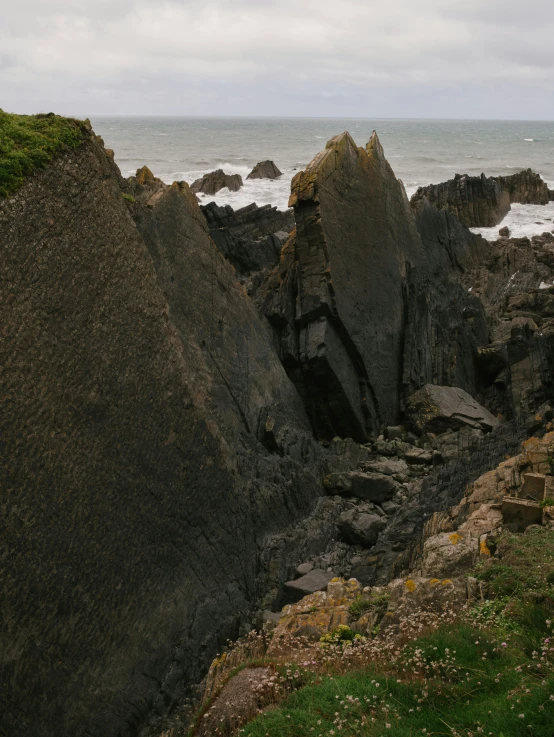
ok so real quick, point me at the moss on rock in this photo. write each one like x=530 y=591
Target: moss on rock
x=29 y=142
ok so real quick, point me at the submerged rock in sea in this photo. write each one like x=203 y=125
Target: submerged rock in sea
x=265 y=170
x=214 y=181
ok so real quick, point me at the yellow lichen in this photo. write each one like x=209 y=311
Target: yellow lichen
x=411 y=585
x=455 y=538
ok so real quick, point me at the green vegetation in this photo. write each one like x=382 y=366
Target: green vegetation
x=128 y=198
x=361 y=605
x=489 y=673
x=29 y=142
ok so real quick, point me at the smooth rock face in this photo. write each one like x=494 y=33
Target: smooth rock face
x=476 y=201
x=439 y=408
x=136 y=494
x=216 y=180
x=251 y=238
x=265 y=170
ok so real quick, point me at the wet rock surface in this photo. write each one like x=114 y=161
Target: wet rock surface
x=483 y=202
x=265 y=170
x=214 y=181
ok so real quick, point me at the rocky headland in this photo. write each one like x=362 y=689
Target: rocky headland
x=483 y=202
x=209 y=414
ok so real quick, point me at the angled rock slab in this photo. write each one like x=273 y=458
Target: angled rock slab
x=439 y=408
x=315 y=580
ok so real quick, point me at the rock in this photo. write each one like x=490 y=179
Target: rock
x=418 y=456
x=343 y=265
x=132 y=472
x=390 y=467
x=374 y=487
x=360 y=528
x=214 y=181
x=265 y=170
x=251 y=238
x=483 y=202
x=447 y=554
x=439 y=408
x=477 y=202
x=304 y=568
x=394 y=433
x=315 y=580
x=504 y=232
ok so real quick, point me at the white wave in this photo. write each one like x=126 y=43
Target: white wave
x=523 y=220
x=531 y=140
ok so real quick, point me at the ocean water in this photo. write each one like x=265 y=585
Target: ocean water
x=420 y=152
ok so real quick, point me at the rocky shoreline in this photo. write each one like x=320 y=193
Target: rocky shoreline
x=198 y=400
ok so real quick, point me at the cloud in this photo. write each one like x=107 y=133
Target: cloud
x=300 y=57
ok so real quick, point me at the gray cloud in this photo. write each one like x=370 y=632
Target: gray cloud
x=376 y=58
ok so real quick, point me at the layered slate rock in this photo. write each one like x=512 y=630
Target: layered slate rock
x=527 y=188
x=483 y=201
x=137 y=382
x=365 y=302
x=439 y=408
x=265 y=170
x=214 y=181
x=252 y=237
x=336 y=298
x=476 y=201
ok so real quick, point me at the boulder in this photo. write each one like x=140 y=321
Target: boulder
x=314 y=580
x=373 y=487
x=504 y=232
x=214 y=181
x=439 y=408
x=360 y=528
x=265 y=170
x=448 y=553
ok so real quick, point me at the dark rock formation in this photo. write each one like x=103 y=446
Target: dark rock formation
x=363 y=303
x=476 y=201
x=265 y=170
x=216 y=180
x=483 y=202
x=136 y=381
x=250 y=238
x=526 y=187
x=361 y=528
x=336 y=298
x=439 y=408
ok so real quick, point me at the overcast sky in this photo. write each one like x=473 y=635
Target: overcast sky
x=360 y=58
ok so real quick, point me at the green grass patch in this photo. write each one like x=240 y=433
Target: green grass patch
x=490 y=673
x=29 y=142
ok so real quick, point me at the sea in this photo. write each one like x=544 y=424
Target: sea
x=420 y=152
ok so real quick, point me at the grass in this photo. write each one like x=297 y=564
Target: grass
x=490 y=673
x=29 y=142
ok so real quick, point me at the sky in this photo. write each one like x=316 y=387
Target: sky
x=343 y=58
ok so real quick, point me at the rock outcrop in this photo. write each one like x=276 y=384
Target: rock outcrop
x=363 y=303
x=150 y=440
x=475 y=201
x=527 y=188
x=265 y=170
x=214 y=181
x=252 y=237
x=483 y=202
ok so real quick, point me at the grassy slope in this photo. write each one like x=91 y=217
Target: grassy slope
x=490 y=674
x=29 y=142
